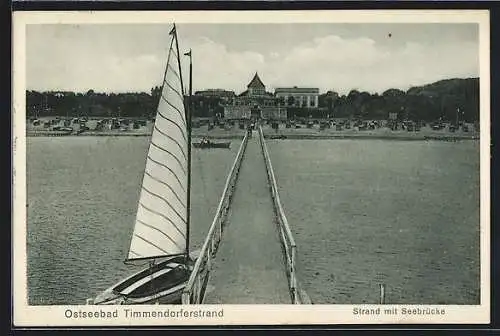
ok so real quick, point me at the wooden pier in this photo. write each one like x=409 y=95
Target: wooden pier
x=249 y=255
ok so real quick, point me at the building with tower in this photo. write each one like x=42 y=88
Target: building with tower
x=255 y=103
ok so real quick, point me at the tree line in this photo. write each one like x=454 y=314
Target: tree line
x=443 y=100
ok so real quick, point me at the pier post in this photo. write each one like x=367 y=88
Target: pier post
x=382 y=293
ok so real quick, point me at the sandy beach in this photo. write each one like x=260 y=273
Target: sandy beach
x=234 y=132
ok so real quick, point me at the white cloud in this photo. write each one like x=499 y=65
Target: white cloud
x=335 y=63
x=214 y=66
x=274 y=54
x=65 y=63
x=331 y=62
x=62 y=61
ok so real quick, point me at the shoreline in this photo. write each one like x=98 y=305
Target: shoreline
x=400 y=137
x=280 y=136
x=125 y=134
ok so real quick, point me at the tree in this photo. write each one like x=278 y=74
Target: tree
x=426 y=102
x=329 y=100
x=281 y=101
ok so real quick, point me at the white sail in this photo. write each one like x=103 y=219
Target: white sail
x=162 y=214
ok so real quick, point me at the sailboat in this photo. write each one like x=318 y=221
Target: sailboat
x=161 y=231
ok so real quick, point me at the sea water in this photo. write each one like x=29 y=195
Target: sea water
x=363 y=212
x=370 y=212
x=82 y=199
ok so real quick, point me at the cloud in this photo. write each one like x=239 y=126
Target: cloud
x=68 y=61
x=331 y=62
x=274 y=55
x=341 y=64
x=214 y=66
x=62 y=62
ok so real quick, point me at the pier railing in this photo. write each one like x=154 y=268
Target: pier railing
x=194 y=292
x=287 y=241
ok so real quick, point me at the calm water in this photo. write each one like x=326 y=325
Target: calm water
x=367 y=212
x=82 y=198
x=363 y=212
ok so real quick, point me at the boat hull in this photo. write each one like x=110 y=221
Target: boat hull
x=277 y=137
x=212 y=145
x=161 y=284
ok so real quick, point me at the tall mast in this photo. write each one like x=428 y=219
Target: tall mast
x=190 y=54
x=188 y=121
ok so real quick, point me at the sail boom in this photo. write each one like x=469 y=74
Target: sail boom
x=154 y=257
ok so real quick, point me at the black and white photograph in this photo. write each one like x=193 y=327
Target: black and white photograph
x=315 y=162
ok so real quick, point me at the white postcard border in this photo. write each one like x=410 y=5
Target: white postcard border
x=25 y=315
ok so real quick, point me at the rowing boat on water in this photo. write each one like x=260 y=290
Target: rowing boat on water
x=210 y=144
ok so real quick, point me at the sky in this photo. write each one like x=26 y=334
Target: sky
x=330 y=56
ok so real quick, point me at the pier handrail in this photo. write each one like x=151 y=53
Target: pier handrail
x=288 y=242
x=194 y=291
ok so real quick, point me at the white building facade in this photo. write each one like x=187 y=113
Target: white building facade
x=298 y=97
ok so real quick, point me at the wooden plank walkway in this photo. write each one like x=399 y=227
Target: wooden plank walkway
x=249 y=267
